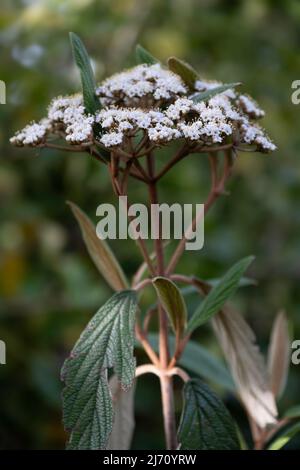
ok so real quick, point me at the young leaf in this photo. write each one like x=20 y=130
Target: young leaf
x=123 y=425
x=285 y=437
x=279 y=354
x=247 y=366
x=100 y=252
x=107 y=341
x=205 y=422
x=143 y=56
x=200 y=361
x=88 y=84
x=184 y=70
x=208 y=94
x=219 y=294
x=173 y=303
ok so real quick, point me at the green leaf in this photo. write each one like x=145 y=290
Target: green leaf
x=207 y=94
x=99 y=251
x=143 y=56
x=107 y=341
x=123 y=426
x=293 y=412
x=219 y=294
x=173 y=303
x=205 y=422
x=184 y=70
x=91 y=102
x=243 y=282
x=200 y=361
x=285 y=437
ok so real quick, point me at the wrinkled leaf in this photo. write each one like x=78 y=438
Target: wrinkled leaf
x=172 y=301
x=99 y=251
x=205 y=421
x=143 y=56
x=184 y=70
x=247 y=366
x=123 y=425
x=208 y=94
x=82 y=60
x=285 y=437
x=107 y=341
x=219 y=294
x=279 y=354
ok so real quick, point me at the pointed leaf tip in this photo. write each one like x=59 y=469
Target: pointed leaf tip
x=82 y=60
x=143 y=56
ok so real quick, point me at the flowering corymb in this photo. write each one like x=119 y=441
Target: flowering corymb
x=156 y=101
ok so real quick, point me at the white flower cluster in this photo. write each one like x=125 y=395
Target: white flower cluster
x=253 y=134
x=32 y=134
x=208 y=122
x=155 y=100
x=145 y=81
x=120 y=121
x=250 y=107
x=65 y=114
x=69 y=112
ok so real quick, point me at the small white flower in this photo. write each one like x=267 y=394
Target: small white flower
x=112 y=139
x=253 y=134
x=141 y=81
x=250 y=107
x=32 y=134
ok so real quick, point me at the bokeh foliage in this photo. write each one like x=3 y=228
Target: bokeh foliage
x=48 y=286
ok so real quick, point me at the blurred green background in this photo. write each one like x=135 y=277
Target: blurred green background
x=49 y=288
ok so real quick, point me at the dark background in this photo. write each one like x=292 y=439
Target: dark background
x=49 y=288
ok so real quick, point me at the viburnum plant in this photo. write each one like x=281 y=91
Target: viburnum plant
x=122 y=123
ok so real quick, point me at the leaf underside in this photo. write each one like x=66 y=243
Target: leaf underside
x=247 y=365
x=279 y=354
x=205 y=422
x=107 y=341
x=123 y=425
